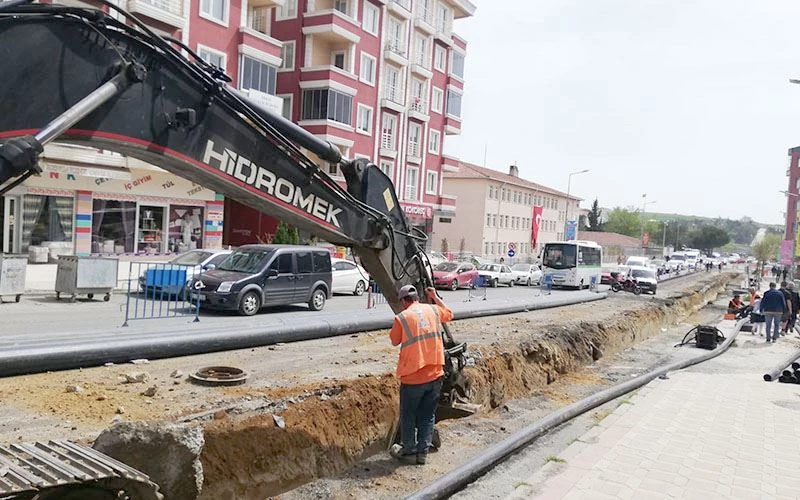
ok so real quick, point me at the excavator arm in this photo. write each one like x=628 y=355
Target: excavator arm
x=80 y=76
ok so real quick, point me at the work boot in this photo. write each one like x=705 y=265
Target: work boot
x=422 y=458
x=406 y=456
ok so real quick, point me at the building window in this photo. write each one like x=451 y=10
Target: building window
x=493 y=246
x=488 y=219
x=287 y=106
x=445 y=220
x=443 y=19
x=113 y=226
x=215 y=10
x=327 y=104
x=421 y=51
x=338 y=58
x=453 y=103
x=342 y=6
x=387 y=168
x=364 y=120
x=457 y=66
x=494 y=220
x=370 y=21
x=414 y=139
x=46 y=219
x=434 y=140
x=491 y=191
x=367 y=70
x=486 y=248
x=287 y=11
x=431 y=182
x=287 y=55
x=395 y=35
x=212 y=57
x=388 y=129
x=439 y=58
x=412 y=182
x=258 y=76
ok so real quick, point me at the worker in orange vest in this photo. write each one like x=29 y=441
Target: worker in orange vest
x=417 y=330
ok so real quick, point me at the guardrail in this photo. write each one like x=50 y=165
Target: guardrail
x=158 y=290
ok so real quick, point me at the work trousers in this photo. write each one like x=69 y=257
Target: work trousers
x=417 y=414
x=773 y=321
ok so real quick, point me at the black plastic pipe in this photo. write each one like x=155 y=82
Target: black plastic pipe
x=476 y=467
x=77 y=352
x=776 y=371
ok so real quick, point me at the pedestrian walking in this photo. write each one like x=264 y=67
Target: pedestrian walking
x=417 y=330
x=795 y=303
x=784 y=272
x=787 y=314
x=775 y=272
x=773 y=305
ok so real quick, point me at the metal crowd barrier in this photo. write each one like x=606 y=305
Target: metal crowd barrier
x=374 y=295
x=546 y=286
x=158 y=290
x=477 y=290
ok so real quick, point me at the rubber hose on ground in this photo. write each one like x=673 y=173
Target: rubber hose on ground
x=460 y=477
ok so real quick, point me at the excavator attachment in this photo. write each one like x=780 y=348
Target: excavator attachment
x=62 y=470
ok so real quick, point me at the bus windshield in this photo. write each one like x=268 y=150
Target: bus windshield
x=559 y=256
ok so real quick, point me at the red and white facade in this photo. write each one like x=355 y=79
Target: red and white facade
x=380 y=79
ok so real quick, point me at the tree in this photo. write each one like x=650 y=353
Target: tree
x=294 y=236
x=286 y=235
x=623 y=221
x=445 y=246
x=707 y=238
x=767 y=248
x=594 y=217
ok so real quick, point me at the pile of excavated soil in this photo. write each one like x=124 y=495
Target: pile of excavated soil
x=253 y=457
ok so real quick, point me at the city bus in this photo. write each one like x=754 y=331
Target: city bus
x=572 y=263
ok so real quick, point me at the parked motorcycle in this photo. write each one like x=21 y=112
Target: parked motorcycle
x=628 y=285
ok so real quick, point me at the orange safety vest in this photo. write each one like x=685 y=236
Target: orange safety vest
x=418 y=331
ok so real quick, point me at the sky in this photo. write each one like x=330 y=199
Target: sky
x=686 y=101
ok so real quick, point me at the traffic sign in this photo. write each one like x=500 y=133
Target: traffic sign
x=512 y=247
x=511 y=252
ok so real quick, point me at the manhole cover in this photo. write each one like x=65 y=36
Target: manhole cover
x=219 y=375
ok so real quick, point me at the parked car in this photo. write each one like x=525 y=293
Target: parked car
x=436 y=258
x=454 y=275
x=266 y=275
x=645 y=277
x=527 y=274
x=168 y=280
x=348 y=277
x=479 y=261
x=496 y=274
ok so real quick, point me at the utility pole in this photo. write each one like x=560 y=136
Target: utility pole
x=567 y=211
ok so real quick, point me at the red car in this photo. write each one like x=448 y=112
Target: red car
x=454 y=275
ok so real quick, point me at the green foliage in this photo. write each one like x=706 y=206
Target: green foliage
x=624 y=221
x=707 y=238
x=594 y=217
x=286 y=235
x=767 y=248
x=445 y=246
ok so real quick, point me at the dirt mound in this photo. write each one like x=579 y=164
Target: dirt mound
x=256 y=456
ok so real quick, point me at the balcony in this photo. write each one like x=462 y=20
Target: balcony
x=400 y=7
x=418 y=109
x=452 y=125
x=413 y=151
x=165 y=11
x=388 y=148
x=394 y=50
x=393 y=97
x=266 y=3
x=444 y=31
x=424 y=22
x=421 y=66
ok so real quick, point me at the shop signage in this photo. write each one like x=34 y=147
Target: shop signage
x=101 y=173
x=417 y=210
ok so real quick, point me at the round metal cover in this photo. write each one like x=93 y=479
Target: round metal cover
x=220 y=375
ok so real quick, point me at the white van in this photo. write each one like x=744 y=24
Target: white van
x=637 y=261
x=677 y=261
x=691 y=258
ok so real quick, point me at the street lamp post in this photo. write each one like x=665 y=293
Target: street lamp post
x=644 y=210
x=569 y=183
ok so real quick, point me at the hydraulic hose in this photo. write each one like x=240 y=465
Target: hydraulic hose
x=777 y=369
x=476 y=467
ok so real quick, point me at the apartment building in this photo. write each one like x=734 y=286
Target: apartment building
x=793 y=200
x=498 y=210
x=379 y=79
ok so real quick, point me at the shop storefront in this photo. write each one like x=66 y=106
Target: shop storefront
x=419 y=217
x=108 y=210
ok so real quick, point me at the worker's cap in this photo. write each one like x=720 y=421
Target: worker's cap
x=407 y=292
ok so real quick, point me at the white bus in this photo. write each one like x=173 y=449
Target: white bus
x=572 y=263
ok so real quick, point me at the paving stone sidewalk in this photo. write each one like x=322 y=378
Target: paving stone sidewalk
x=695 y=435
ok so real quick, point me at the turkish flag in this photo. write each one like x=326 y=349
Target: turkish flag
x=537 y=221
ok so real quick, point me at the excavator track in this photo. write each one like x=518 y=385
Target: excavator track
x=68 y=471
